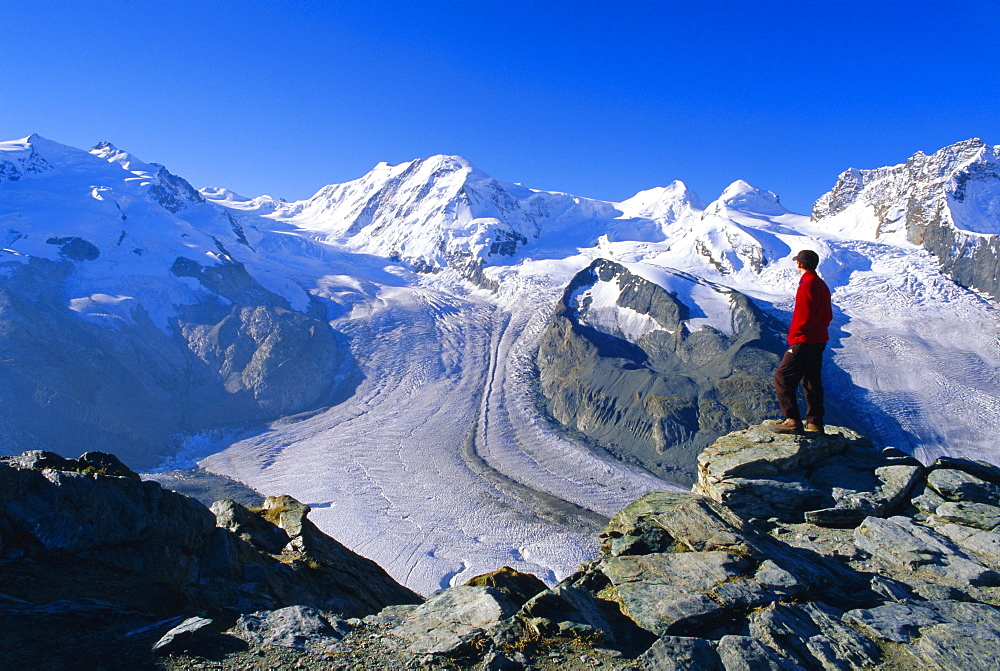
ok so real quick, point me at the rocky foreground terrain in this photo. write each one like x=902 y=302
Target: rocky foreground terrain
x=813 y=551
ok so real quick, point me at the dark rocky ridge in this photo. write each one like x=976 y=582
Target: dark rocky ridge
x=85 y=544
x=95 y=508
x=663 y=399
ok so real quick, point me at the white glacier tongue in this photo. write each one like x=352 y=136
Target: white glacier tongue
x=438 y=468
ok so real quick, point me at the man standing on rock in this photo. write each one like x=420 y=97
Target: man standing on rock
x=803 y=360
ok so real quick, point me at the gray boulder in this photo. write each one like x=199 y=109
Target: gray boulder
x=897 y=622
x=250 y=527
x=896 y=481
x=517 y=586
x=188 y=632
x=833 y=479
x=874 y=484
x=745 y=653
x=777 y=580
x=986 y=543
x=759 y=452
x=741 y=594
x=681 y=653
x=964 y=612
x=925 y=499
x=981 y=469
x=298 y=627
x=957 y=647
x=452 y=619
x=568 y=610
x=903 y=542
x=667 y=593
x=977 y=515
x=956 y=485
x=784 y=497
x=632 y=530
x=813 y=635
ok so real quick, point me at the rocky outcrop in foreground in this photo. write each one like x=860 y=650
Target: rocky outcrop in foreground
x=87 y=540
x=791 y=552
x=811 y=552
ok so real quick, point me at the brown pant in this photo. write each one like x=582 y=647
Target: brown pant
x=802 y=364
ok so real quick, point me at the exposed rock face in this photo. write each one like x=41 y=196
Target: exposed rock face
x=946 y=202
x=622 y=362
x=298 y=627
x=68 y=382
x=95 y=510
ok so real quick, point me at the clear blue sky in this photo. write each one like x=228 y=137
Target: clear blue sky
x=600 y=99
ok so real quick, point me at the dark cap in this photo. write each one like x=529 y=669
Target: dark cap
x=808 y=258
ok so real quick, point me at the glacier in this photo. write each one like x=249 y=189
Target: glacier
x=439 y=464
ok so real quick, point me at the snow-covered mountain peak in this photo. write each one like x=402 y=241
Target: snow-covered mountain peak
x=947 y=202
x=945 y=173
x=223 y=194
x=37 y=145
x=123 y=228
x=20 y=158
x=261 y=205
x=444 y=163
x=744 y=197
x=23 y=144
x=434 y=212
x=130 y=162
x=664 y=204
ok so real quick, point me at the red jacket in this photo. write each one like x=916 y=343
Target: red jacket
x=812 y=313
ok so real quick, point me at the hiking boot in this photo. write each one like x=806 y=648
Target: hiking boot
x=787 y=426
x=814 y=427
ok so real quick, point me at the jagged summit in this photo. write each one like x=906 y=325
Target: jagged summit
x=130 y=162
x=948 y=173
x=948 y=203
